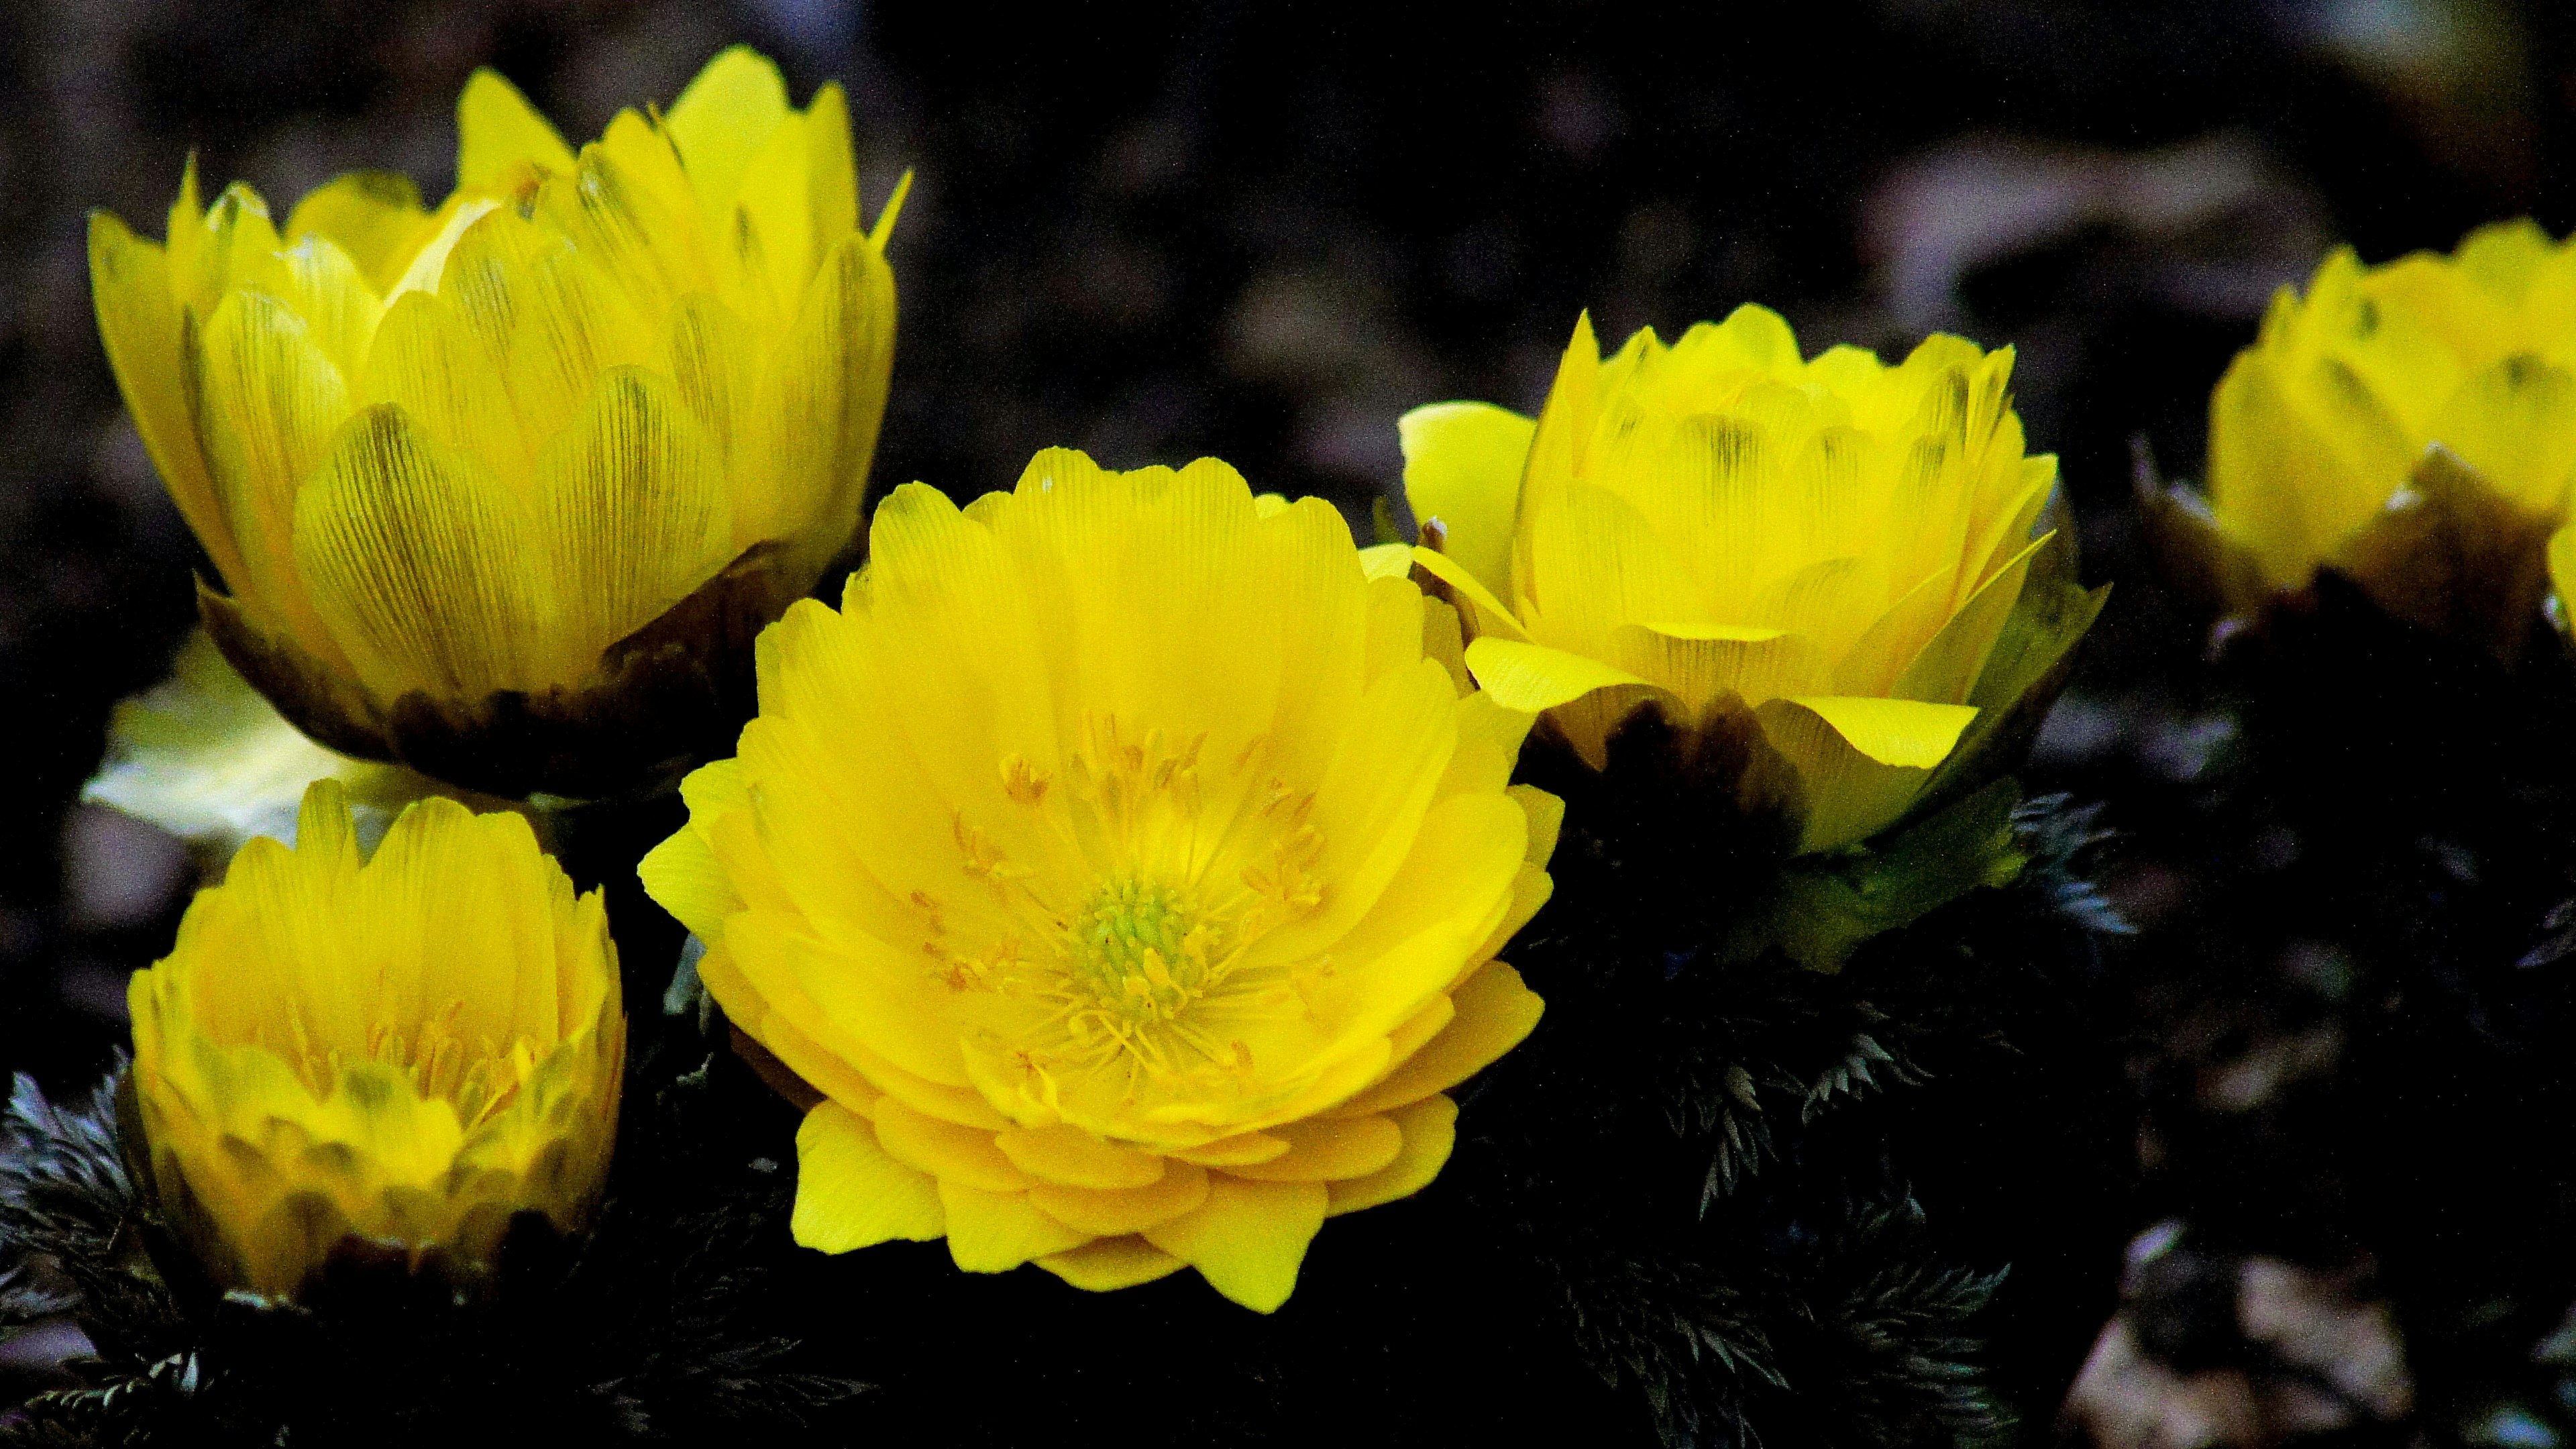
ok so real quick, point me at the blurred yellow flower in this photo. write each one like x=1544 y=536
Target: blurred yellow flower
x=2411 y=426
x=442 y=456
x=1125 y=868
x=1721 y=528
x=405 y=1051
x=2320 y=423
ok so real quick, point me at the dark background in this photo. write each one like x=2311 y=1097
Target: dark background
x=1263 y=231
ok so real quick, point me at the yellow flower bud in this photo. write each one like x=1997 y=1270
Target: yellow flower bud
x=1822 y=554
x=1124 y=866
x=398 y=1054
x=499 y=489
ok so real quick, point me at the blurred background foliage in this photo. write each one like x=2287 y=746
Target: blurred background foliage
x=1265 y=230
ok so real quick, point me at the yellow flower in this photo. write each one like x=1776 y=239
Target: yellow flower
x=1123 y=871
x=405 y=1051
x=458 y=467
x=2328 y=415
x=1720 y=528
x=2412 y=426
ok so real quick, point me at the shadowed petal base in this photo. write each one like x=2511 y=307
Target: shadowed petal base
x=663 y=699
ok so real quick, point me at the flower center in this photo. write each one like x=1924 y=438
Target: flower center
x=1143 y=950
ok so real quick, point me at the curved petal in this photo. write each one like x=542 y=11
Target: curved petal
x=1462 y=468
x=994 y=1232
x=418 y=563
x=1105 y=1265
x=1248 y=1238
x=850 y=1194
x=1114 y=1212
x=500 y=138
x=1430 y=1129
x=138 y=321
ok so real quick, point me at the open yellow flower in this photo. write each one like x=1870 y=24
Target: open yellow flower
x=403 y=1052
x=1825 y=551
x=1125 y=874
x=500 y=489
x=2411 y=425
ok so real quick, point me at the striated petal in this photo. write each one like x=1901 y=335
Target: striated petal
x=632 y=504
x=715 y=358
x=850 y=1194
x=1108 y=1264
x=501 y=140
x=1248 y=1238
x=1110 y=1212
x=1860 y=762
x=1328 y=1149
x=139 y=323
x=268 y=402
x=430 y=362
x=994 y=1232
x=1430 y=1129
x=1956 y=655
x=418 y=563
x=1494 y=1013
x=325 y=288
x=821 y=399
x=1462 y=468
x=1704 y=665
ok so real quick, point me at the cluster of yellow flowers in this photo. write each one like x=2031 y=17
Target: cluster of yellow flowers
x=1121 y=868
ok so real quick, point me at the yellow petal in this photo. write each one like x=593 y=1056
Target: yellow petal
x=374 y=216
x=1703 y=664
x=1546 y=816
x=1243 y=1147
x=1067 y=1155
x=1861 y=768
x=1894 y=731
x=268 y=401
x=994 y=1232
x=139 y=323
x=1108 y=1264
x=1533 y=677
x=850 y=1194
x=821 y=398
x=1326 y=1149
x=1495 y=1012
x=500 y=138
x=1487 y=610
x=429 y=361
x=2515 y=423
x=1430 y=1129
x=721 y=121
x=1248 y=1238
x=949 y=1152
x=418 y=563
x=1109 y=1212
x=831 y=178
x=1956 y=655
x=633 y=508
x=1462 y=468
